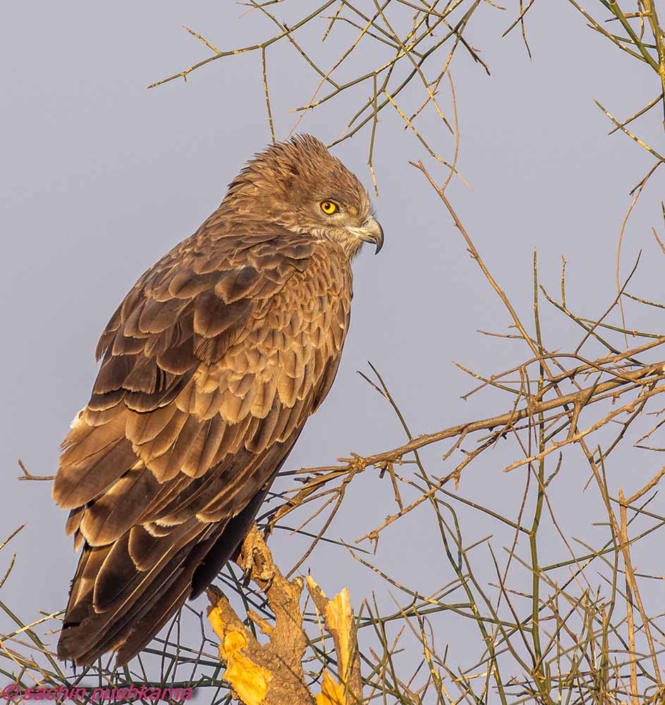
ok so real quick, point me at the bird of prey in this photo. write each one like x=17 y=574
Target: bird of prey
x=209 y=370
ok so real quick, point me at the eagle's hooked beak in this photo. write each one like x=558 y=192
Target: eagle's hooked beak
x=370 y=231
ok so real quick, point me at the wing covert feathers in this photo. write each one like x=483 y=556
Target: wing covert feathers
x=209 y=370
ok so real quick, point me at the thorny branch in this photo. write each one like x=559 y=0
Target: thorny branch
x=272 y=673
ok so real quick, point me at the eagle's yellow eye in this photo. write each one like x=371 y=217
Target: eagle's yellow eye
x=328 y=207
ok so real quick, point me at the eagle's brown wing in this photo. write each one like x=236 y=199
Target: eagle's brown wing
x=210 y=368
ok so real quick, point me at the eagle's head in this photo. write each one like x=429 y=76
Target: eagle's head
x=299 y=185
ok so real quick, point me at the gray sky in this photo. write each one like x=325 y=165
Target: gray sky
x=100 y=177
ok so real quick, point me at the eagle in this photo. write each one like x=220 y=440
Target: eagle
x=209 y=370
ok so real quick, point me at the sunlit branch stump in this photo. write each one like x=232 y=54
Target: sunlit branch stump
x=272 y=673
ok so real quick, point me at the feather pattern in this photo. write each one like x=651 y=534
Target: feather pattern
x=209 y=369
